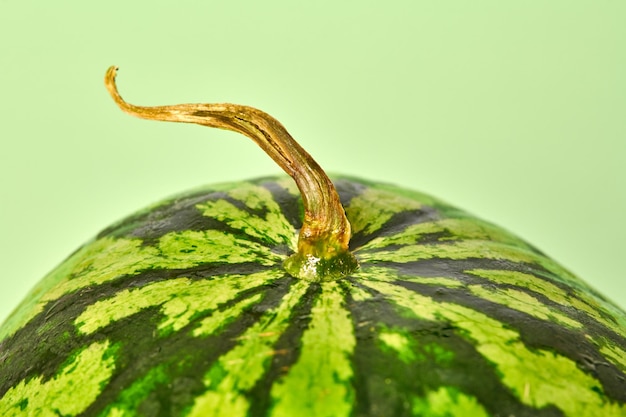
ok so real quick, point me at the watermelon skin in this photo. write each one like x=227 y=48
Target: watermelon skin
x=183 y=309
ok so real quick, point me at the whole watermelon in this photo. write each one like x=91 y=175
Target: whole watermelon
x=186 y=309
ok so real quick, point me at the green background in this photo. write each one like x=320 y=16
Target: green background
x=515 y=111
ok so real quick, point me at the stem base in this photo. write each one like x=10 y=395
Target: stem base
x=315 y=269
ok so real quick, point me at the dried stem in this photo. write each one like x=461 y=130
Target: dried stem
x=323 y=241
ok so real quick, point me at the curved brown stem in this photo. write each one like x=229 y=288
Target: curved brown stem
x=323 y=241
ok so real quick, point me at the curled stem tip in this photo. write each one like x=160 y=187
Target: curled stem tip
x=322 y=252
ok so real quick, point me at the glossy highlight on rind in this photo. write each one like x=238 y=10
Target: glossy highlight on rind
x=184 y=309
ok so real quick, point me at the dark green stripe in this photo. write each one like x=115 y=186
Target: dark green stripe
x=397 y=223
x=172 y=215
x=347 y=189
x=290 y=204
x=288 y=348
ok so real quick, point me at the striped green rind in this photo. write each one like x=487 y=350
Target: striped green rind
x=69 y=391
x=319 y=383
x=522 y=369
x=180 y=300
x=183 y=309
x=237 y=371
x=108 y=258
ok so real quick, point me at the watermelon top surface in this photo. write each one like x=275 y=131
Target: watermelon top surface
x=184 y=309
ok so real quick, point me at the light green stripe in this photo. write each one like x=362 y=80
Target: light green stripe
x=523 y=280
x=238 y=371
x=219 y=319
x=190 y=248
x=524 y=302
x=511 y=298
x=614 y=354
x=69 y=392
x=479 y=249
x=376 y=273
x=370 y=210
x=109 y=258
x=399 y=342
x=129 y=400
x=358 y=294
x=458 y=228
x=320 y=383
x=274 y=227
x=574 y=298
x=178 y=299
x=456 y=250
x=117 y=412
x=537 y=377
x=447 y=402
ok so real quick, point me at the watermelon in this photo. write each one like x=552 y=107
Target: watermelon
x=241 y=299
